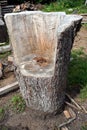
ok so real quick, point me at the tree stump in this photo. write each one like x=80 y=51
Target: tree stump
x=42 y=44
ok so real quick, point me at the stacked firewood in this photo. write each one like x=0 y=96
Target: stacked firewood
x=25 y=6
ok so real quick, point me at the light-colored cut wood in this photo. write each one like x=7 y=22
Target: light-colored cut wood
x=64 y=128
x=67 y=114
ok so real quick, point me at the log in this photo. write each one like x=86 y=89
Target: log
x=4 y=49
x=42 y=44
x=8 y=88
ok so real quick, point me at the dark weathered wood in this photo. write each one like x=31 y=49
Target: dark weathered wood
x=3 y=31
x=42 y=44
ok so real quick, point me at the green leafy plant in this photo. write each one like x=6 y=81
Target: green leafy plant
x=77 y=74
x=65 y=5
x=18 y=104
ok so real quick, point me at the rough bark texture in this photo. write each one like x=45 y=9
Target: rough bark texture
x=44 y=92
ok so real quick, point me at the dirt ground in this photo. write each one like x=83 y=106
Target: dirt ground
x=25 y=120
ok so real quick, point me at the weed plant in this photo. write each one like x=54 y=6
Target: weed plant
x=18 y=104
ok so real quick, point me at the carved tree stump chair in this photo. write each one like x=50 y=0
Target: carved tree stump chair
x=41 y=45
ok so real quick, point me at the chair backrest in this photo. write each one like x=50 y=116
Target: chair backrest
x=33 y=32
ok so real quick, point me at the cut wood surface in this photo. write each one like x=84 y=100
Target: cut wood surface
x=8 y=88
x=64 y=128
x=66 y=113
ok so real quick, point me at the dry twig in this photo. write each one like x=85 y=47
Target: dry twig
x=73 y=101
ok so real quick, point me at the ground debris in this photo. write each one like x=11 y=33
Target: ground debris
x=75 y=105
x=69 y=121
x=73 y=101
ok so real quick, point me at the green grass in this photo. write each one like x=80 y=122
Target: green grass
x=17 y=104
x=77 y=74
x=53 y=7
x=82 y=9
x=61 y=6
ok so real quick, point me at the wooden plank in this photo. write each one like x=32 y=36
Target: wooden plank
x=5 y=48
x=3 y=43
x=8 y=88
